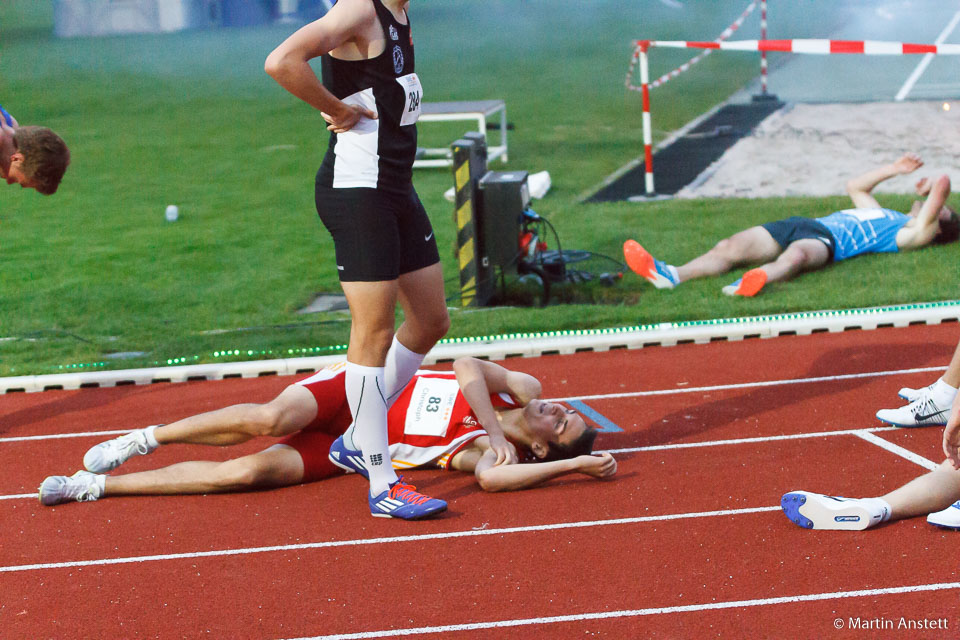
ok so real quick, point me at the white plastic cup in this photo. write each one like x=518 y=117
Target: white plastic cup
x=172 y=213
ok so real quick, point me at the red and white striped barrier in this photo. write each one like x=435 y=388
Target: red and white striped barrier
x=864 y=47
x=809 y=46
x=729 y=31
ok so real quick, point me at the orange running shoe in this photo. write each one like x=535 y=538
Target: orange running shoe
x=749 y=285
x=657 y=272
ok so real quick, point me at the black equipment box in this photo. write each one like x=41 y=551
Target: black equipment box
x=501 y=199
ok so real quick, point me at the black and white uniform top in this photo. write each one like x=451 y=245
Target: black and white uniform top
x=375 y=153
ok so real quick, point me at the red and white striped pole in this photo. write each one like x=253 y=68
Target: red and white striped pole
x=763 y=54
x=642 y=47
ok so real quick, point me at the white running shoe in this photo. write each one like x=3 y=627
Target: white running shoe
x=910 y=394
x=81 y=486
x=817 y=511
x=109 y=455
x=921 y=412
x=949 y=518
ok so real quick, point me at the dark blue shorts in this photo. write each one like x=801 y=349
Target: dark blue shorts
x=378 y=235
x=795 y=228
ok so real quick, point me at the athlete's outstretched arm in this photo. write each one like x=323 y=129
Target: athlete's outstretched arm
x=859 y=189
x=512 y=477
x=477 y=380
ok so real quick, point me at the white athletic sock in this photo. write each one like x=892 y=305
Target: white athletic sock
x=674 y=274
x=151 y=438
x=942 y=394
x=364 y=387
x=101 y=480
x=402 y=364
x=877 y=506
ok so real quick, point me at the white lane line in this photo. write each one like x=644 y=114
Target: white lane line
x=748 y=385
x=602 y=396
x=897 y=449
x=925 y=62
x=719 y=443
x=634 y=613
x=20 y=496
x=55 y=436
x=372 y=541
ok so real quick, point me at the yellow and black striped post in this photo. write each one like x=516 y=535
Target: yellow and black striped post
x=469 y=162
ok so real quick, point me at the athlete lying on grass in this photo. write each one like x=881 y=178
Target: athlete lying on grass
x=438 y=421
x=936 y=493
x=786 y=248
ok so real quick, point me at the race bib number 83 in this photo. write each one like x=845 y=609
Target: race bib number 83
x=431 y=406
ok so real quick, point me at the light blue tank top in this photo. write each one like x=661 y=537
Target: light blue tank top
x=857 y=231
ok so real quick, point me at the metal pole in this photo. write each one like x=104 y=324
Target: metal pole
x=647 y=132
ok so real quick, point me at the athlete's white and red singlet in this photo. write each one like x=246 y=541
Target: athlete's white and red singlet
x=429 y=423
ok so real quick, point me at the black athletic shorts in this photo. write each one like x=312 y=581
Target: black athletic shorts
x=797 y=228
x=378 y=235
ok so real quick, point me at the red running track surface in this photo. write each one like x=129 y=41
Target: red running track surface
x=686 y=541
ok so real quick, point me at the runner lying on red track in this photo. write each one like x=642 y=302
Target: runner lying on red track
x=438 y=421
x=786 y=248
x=936 y=493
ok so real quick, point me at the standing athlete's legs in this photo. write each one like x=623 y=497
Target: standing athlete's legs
x=372 y=307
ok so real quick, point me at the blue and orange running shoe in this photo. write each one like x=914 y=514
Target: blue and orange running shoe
x=749 y=285
x=350 y=460
x=657 y=272
x=403 y=501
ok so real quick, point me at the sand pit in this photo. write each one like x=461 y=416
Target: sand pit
x=812 y=149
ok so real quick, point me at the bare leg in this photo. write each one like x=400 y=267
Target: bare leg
x=928 y=493
x=952 y=375
x=424 y=309
x=802 y=255
x=746 y=247
x=372 y=308
x=290 y=411
x=278 y=466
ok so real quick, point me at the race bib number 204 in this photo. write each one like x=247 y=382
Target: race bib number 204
x=413 y=93
x=431 y=406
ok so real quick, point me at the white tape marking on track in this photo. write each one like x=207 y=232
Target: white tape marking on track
x=371 y=541
x=748 y=385
x=896 y=449
x=925 y=62
x=634 y=613
x=55 y=436
x=719 y=443
x=20 y=496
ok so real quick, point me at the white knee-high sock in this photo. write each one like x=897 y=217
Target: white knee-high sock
x=402 y=364
x=364 y=386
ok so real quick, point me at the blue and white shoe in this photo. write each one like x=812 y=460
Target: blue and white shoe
x=403 y=501
x=350 y=460
x=949 y=518
x=921 y=412
x=657 y=272
x=817 y=511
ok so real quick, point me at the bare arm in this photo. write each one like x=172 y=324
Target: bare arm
x=859 y=189
x=289 y=63
x=477 y=380
x=920 y=231
x=513 y=477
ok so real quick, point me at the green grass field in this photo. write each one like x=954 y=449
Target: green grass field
x=192 y=119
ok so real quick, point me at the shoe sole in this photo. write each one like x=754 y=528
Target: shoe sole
x=418 y=517
x=641 y=263
x=751 y=283
x=805 y=510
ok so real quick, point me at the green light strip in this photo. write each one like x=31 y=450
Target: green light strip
x=341 y=348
